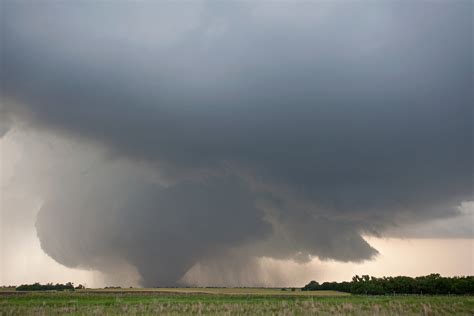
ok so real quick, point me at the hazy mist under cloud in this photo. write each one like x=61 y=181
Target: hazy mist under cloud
x=242 y=129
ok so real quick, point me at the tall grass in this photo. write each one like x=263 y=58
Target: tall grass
x=187 y=304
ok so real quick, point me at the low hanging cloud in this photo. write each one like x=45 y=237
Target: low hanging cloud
x=285 y=130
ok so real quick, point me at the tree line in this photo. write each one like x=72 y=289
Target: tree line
x=69 y=286
x=430 y=284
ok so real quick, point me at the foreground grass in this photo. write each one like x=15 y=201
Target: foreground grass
x=159 y=302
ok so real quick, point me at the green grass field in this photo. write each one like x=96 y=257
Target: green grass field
x=227 y=301
x=228 y=291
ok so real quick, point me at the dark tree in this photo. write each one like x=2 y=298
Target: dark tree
x=431 y=284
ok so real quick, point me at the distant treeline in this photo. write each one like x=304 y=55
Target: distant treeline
x=47 y=287
x=430 y=284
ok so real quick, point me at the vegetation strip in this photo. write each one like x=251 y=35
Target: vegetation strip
x=87 y=303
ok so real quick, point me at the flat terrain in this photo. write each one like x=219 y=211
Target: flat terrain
x=228 y=301
x=227 y=291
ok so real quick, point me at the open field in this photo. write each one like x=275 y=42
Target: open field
x=227 y=291
x=227 y=302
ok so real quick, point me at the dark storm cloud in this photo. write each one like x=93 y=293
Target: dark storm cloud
x=341 y=118
x=161 y=231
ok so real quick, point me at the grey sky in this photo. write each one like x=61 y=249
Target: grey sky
x=285 y=129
